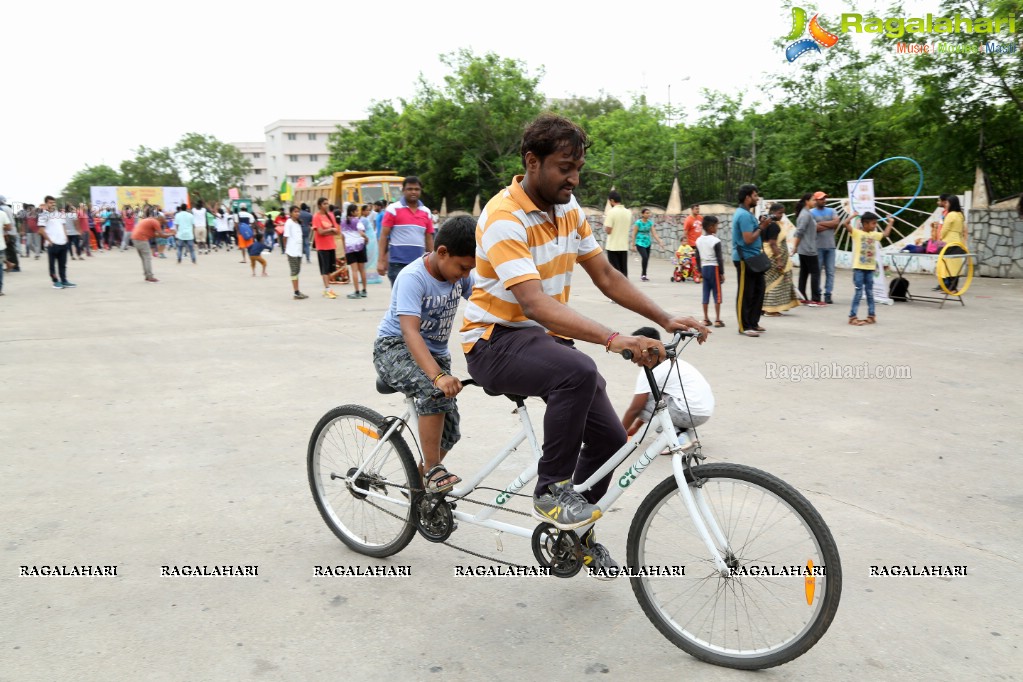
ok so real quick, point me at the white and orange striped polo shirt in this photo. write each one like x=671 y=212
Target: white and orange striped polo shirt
x=516 y=242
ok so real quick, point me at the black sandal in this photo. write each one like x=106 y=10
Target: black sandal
x=435 y=475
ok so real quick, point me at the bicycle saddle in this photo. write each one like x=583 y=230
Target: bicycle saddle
x=384 y=388
x=517 y=399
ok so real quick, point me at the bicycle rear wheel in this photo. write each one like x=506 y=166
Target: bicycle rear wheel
x=772 y=608
x=368 y=524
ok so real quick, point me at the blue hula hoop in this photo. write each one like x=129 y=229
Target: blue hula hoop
x=919 y=186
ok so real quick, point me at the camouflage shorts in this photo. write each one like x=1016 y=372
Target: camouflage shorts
x=398 y=369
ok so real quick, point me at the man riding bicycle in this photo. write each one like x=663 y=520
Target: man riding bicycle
x=518 y=330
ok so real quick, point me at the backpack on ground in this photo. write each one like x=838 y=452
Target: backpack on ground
x=898 y=289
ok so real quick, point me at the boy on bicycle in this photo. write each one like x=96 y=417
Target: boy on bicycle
x=687 y=394
x=411 y=351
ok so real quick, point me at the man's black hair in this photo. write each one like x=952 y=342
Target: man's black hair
x=48 y=198
x=411 y=180
x=549 y=133
x=304 y=207
x=648 y=332
x=775 y=207
x=613 y=195
x=458 y=234
x=745 y=191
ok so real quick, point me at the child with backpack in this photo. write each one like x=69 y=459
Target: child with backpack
x=256 y=249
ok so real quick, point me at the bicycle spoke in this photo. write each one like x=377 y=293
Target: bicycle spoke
x=758 y=615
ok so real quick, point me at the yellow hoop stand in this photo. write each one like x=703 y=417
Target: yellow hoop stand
x=969 y=269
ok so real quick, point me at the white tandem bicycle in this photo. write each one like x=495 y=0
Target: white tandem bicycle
x=762 y=578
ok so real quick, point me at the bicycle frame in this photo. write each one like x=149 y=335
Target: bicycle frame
x=692 y=498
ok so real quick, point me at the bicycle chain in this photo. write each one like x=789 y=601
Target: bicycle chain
x=449 y=544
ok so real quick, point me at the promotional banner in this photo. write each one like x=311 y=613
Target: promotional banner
x=137 y=196
x=164 y=197
x=864 y=199
x=102 y=197
x=174 y=197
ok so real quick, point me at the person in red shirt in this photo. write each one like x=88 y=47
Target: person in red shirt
x=325 y=231
x=694 y=225
x=146 y=229
x=278 y=227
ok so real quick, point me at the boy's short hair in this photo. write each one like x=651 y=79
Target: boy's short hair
x=710 y=221
x=648 y=332
x=868 y=217
x=458 y=234
x=775 y=207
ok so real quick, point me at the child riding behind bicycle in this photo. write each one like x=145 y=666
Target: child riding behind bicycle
x=687 y=394
x=411 y=351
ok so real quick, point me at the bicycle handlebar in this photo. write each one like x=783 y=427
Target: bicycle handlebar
x=668 y=347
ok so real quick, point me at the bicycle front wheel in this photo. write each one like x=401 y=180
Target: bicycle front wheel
x=376 y=524
x=785 y=575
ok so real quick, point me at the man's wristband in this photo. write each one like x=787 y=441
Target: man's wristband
x=437 y=378
x=607 y=344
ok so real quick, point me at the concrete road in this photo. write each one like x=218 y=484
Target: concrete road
x=166 y=424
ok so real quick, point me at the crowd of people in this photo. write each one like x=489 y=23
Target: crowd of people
x=342 y=236
x=763 y=259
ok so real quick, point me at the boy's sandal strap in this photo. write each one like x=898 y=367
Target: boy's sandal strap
x=431 y=476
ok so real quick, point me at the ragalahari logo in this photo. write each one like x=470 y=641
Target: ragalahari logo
x=818 y=35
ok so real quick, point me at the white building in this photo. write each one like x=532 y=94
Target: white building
x=292 y=150
x=257 y=183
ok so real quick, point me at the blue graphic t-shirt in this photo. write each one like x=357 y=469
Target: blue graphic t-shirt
x=417 y=292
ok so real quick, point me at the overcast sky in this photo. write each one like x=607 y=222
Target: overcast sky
x=89 y=82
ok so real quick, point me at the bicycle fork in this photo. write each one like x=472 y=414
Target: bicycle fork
x=695 y=502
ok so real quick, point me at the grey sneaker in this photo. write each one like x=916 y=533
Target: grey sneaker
x=564 y=508
x=597 y=559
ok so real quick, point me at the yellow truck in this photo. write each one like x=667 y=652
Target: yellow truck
x=360 y=187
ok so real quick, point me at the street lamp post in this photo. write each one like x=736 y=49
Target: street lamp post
x=670 y=117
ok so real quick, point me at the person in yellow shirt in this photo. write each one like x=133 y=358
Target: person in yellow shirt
x=953 y=231
x=866 y=242
x=617 y=224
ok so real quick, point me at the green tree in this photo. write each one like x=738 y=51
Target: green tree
x=210 y=166
x=971 y=104
x=374 y=143
x=461 y=137
x=151 y=168
x=77 y=189
x=633 y=151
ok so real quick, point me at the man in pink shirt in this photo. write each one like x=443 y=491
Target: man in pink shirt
x=406 y=231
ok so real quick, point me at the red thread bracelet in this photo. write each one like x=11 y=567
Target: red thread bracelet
x=607 y=345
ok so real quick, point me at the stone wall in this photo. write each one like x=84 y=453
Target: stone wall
x=670 y=228
x=997 y=239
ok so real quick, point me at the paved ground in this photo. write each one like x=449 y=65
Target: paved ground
x=150 y=424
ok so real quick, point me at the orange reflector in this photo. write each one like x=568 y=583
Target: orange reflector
x=809 y=583
x=369 y=432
